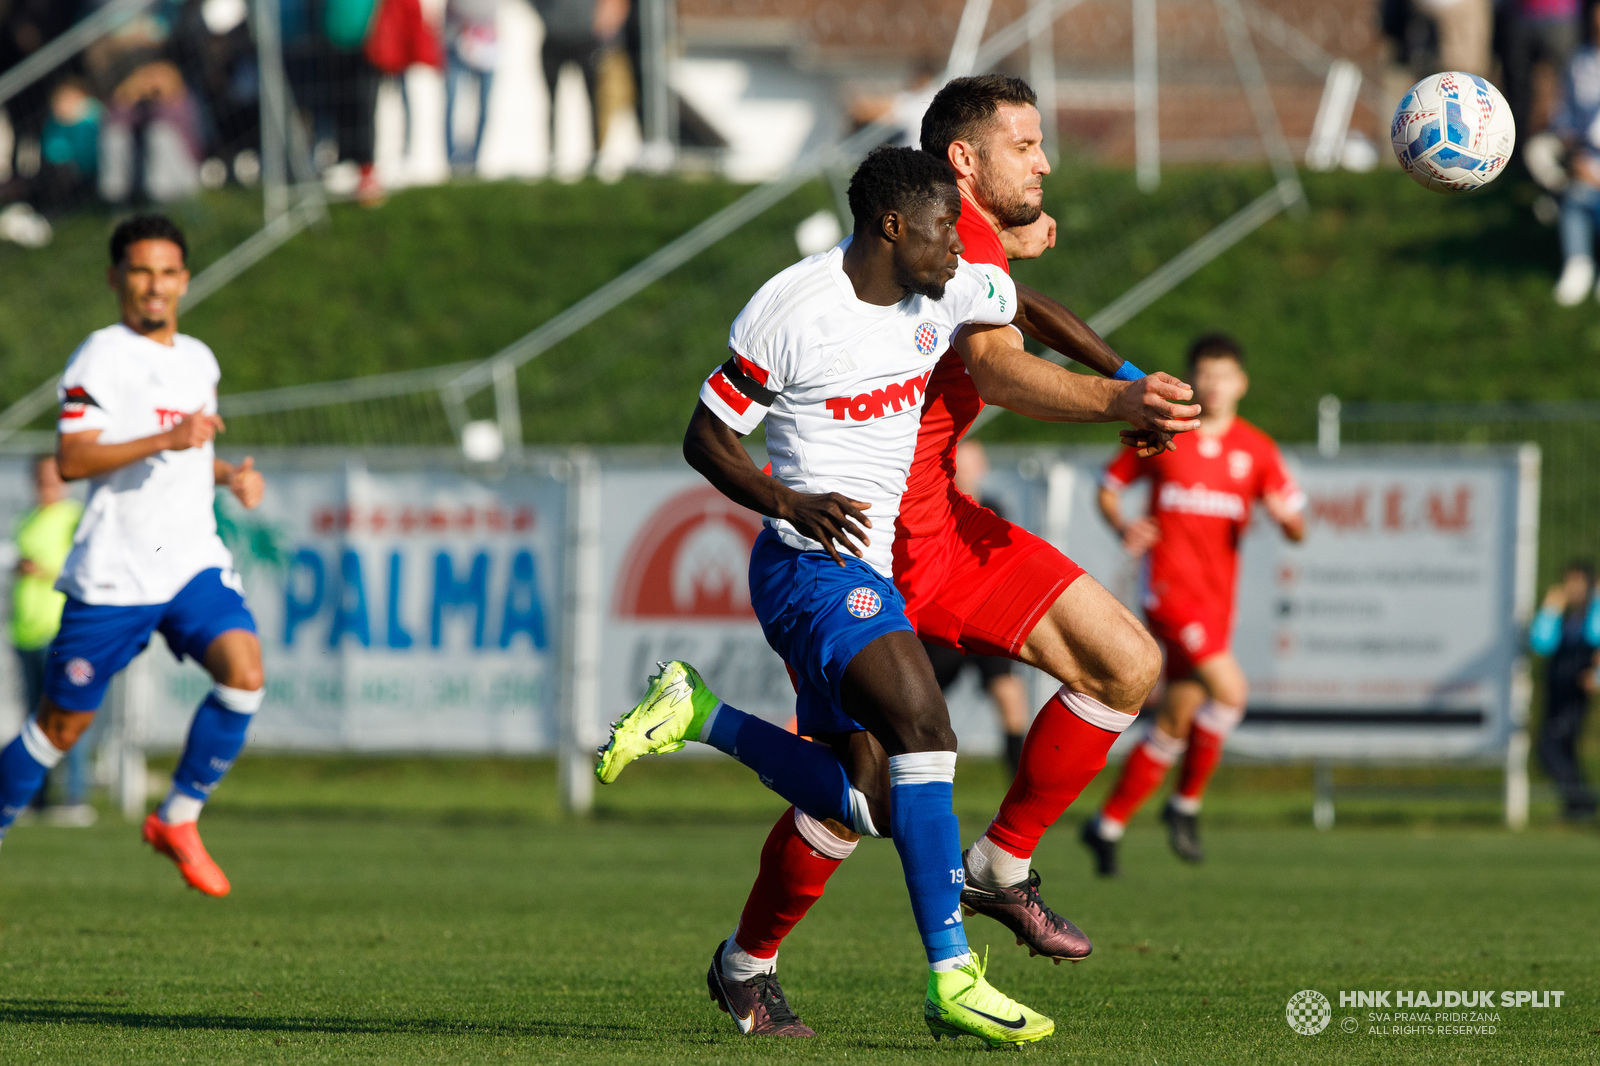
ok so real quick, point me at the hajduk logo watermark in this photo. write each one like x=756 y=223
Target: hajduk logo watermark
x=1473 y=1012
x=1308 y=1012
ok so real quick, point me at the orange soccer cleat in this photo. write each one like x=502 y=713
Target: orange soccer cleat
x=181 y=844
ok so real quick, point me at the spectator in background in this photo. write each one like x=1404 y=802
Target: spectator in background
x=25 y=27
x=213 y=47
x=150 y=143
x=43 y=539
x=472 y=49
x=1567 y=632
x=69 y=158
x=1465 y=30
x=348 y=90
x=70 y=146
x=904 y=109
x=578 y=31
x=1577 y=123
x=1004 y=687
x=1534 y=32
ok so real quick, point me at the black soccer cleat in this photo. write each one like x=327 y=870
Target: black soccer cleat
x=1183 y=833
x=757 y=1006
x=1104 y=851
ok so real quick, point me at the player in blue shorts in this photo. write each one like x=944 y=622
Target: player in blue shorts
x=138 y=414
x=834 y=354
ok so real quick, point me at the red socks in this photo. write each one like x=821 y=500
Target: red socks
x=1212 y=724
x=1064 y=750
x=798 y=858
x=1141 y=775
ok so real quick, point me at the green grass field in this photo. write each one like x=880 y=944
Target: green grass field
x=440 y=911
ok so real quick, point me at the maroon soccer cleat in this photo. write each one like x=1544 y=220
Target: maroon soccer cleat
x=1018 y=907
x=757 y=1006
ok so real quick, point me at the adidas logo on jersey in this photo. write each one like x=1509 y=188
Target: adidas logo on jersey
x=890 y=399
x=842 y=365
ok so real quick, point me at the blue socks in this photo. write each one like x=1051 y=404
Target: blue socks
x=24 y=764
x=928 y=837
x=215 y=737
x=806 y=774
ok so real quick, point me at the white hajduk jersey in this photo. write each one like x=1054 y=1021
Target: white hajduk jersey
x=148 y=527
x=840 y=382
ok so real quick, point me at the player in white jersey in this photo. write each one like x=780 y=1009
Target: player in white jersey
x=834 y=354
x=844 y=381
x=138 y=414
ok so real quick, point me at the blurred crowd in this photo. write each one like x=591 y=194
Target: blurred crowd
x=168 y=102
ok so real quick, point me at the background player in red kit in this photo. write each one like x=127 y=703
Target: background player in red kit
x=1200 y=498
x=977 y=583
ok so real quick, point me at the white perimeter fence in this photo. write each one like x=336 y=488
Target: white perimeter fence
x=409 y=604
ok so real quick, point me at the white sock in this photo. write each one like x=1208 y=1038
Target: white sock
x=1109 y=828
x=860 y=816
x=711 y=720
x=950 y=965
x=1184 y=805
x=180 y=808
x=821 y=838
x=739 y=965
x=992 y=866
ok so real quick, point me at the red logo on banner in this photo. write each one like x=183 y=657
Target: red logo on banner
x=690 y=559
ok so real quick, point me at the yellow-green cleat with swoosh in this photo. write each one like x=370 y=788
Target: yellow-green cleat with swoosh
x=674 y=708
x=961 y=1003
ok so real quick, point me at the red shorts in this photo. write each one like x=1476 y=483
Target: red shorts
x=1191 y=637
x=980 y=584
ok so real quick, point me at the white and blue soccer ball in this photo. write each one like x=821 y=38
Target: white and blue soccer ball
x=1453 y=132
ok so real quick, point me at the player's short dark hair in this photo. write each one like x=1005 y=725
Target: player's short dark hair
x=1215 y=346
x=897 y=179
x=145 y=228
x=1580 y=566
x=965 y=107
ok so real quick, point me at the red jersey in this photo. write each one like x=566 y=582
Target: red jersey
x=1200 y=497
x=951 y=405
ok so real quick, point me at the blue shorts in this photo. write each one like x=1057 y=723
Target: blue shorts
x=97 y=640
x=818 y=615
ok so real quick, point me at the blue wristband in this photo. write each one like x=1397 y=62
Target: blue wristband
x=1127 y=372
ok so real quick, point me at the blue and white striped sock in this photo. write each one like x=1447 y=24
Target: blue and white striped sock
x=215 y=737
x=24 y=764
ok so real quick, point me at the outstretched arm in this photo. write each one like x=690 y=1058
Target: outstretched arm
x=1006 y=375
x=712 y=448
x=1055 y=327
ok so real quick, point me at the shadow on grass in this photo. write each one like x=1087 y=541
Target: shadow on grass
x=88 y=1012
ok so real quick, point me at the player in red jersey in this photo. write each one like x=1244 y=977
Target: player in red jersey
x=1200 y=498
x=977 y=583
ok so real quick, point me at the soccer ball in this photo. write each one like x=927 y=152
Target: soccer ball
x=1453 y=132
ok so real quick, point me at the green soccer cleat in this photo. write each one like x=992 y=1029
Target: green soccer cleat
x=674 y=708
x=961 y=1003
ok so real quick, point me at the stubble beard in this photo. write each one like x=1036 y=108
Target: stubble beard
x=1010 y=207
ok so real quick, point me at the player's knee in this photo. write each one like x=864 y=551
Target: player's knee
x=1235 y=692
x=244 y=674
x=927 y=731
x=1132 y=672
x=62 y=727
